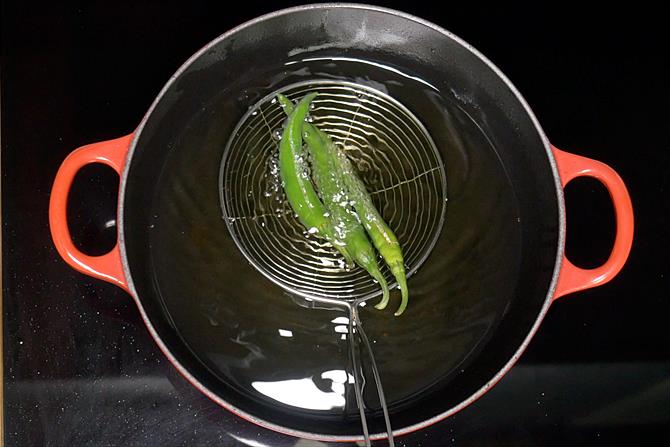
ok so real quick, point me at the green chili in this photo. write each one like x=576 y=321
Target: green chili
x=380 y=233
x=331 y=185
x=296 y=180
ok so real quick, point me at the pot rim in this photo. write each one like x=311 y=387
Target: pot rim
x=320 y=436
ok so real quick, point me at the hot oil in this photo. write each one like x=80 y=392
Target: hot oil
x=271 y=344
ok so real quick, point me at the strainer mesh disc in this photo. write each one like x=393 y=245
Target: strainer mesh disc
x=395 y=158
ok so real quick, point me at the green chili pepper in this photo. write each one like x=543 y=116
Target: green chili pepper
x=296 y=181
x=331 y=185
x=380 y=233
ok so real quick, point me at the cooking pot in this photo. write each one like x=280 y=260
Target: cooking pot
x=227 y=317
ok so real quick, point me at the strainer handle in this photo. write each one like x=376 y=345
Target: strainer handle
x=107 y=267
x=573 y=278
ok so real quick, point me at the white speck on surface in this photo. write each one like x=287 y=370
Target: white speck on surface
x=341 y=329
x=340 y=320
x=285 y=333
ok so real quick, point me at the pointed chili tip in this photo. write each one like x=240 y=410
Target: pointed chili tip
x=385 y=290
x=404 y=296
x=348 y=260
x=285 y=102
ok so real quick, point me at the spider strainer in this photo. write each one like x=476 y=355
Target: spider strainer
x=395 y=157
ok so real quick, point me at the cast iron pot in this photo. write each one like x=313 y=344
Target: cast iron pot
x=176 y=151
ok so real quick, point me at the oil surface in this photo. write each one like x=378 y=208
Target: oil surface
x=273 y=346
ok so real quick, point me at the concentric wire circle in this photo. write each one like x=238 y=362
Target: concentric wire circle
x=395 y=157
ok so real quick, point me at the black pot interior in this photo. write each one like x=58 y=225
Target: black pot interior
x=472 y=302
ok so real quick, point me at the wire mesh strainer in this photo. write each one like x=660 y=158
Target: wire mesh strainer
x=395 y=157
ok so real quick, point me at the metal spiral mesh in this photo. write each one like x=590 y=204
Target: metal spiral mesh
x=395 y=157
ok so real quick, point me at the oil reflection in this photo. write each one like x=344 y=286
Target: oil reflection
x=304 y=393
x=341 y=326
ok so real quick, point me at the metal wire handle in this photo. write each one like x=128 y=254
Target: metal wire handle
x=356 y=325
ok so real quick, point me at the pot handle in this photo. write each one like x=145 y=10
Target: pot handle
x=573 y=278
x=107 y=267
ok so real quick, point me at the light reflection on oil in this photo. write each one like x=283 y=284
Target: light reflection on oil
x=303 y=393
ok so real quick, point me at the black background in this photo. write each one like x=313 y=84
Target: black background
x=80 y=369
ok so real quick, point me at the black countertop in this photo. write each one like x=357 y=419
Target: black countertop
x=80 y=369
